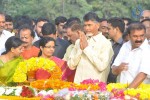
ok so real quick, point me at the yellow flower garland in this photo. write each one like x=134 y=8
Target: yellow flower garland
x=33 y=64
x=143 y=90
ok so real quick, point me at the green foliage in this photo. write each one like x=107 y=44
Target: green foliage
x=68 y=8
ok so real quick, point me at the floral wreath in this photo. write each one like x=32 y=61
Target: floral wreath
x=33 y=64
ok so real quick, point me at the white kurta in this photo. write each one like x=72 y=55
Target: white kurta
x=3 y=38
x=92 y=62
x=137 y=59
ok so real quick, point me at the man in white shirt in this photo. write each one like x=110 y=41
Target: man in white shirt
x=4 y=35
x=92 y=53
x=132 y=62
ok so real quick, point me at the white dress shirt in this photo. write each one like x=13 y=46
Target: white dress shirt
x=137 y=59
x=36 y=38
x=3 y=37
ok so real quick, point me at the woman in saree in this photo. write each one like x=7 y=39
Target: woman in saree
x=10 y=59
x=47 y=47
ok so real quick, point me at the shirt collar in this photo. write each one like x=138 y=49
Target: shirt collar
x=120 y=41
x=95 y=37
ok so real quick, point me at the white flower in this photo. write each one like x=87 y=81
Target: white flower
x=35 y=92
x=9 y=91
x=2 y=91
x=43 y=92
x=18 y=91
x=68 y=96
x=50 y=92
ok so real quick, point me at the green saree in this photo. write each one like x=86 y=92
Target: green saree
x=7 y=70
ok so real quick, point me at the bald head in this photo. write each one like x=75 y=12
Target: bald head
x=145 y=15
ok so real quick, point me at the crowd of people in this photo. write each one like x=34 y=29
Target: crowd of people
x=109 y=50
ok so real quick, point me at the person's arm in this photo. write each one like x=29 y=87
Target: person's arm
x=75 y=56
x=68 y=52
x=138 y=80
x=116 y=70
x=118 y=65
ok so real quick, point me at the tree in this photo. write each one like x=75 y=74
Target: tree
x=53 y=8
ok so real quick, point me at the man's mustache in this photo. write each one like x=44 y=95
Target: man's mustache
x=138 y=41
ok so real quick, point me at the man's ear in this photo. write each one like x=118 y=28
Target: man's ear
x=54 y=36
x=98 y=25
x=117 y=29
x=56 y=27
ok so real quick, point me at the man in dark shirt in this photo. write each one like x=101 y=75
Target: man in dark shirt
x=115 y=29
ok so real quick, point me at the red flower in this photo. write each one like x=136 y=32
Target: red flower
x=26 y=92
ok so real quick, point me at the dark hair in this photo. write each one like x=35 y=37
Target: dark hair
x=26 y=27
x=117 y=22
x=42 y=19
x=72 y=19
x=48 y=28
x=91 y=16
x=44 y=41
x=60 y=19
x=102 y=19
x=74 y=26
x=23 y=20
x=12 y=42
x=135 y=26
x=8 y=18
